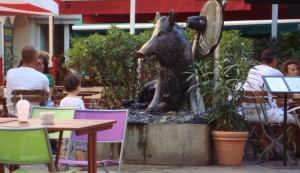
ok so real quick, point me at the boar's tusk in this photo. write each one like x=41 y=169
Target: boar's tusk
x=140 y=55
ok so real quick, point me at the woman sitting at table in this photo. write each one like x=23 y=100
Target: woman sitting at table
x=290 y=67
x=72 y=85
x=43 y=67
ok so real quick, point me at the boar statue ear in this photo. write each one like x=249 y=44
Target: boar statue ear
x=157 y=16
x=171 y=18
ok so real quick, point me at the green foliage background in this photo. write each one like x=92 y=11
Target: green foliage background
x=111 y=61
x=287 y=45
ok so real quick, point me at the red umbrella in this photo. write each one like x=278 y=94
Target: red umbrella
x=29 y=7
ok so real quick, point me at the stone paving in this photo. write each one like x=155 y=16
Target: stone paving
x=249 y=166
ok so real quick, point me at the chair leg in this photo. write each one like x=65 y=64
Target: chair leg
x=250 y=141
x=275 y=142
x=251 y=144
x=63 y=154
x=105 y=168
x=80 y=155
x=12 y=168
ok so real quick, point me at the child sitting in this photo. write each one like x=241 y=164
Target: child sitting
x=72 y=85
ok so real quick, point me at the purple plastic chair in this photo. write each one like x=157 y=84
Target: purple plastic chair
x=114 y=135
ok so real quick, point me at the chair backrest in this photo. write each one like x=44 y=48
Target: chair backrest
x=259 y=101
x=30 y=95
x=59 y=113
x=25 y=146
x=255 y=97
x=115 y=134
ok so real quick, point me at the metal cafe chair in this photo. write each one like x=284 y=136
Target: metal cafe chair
x=114 y=135
x=259 y=115
x=26 y=146
x=251 y=116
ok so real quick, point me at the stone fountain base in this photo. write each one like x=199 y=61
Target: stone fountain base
x=165 y=143
x=168 y=144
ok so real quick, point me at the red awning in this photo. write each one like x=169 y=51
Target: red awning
x=114 y=11
x=143 y=6
x=29 y=7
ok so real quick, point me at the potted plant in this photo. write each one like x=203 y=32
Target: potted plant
x=221 y=92
x=230 y=128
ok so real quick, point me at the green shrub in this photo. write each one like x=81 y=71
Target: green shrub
x=110 y=60
x=287 y=45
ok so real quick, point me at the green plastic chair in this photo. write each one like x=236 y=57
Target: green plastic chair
x=60 y=113
x=20 y=145
x=26 y=146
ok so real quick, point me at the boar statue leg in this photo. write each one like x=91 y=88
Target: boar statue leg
x=196 y=99
x=155 y=101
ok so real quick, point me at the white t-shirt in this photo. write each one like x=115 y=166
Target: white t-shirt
x=71 y=102
x=255 y=82
x=24 y=78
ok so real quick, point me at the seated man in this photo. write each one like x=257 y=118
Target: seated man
x=25 y=77
x=255 y=82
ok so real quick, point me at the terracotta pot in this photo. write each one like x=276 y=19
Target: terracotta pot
x=229 y=147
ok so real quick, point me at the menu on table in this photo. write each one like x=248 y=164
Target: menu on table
x=282 y=84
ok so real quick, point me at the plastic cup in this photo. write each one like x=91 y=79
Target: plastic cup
x=47 y=117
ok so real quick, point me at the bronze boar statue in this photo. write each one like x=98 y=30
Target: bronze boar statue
x=170 y=47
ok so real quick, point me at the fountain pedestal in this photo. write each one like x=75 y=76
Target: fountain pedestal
x=168 y=144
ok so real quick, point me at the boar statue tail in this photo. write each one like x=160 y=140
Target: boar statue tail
x=171 y=19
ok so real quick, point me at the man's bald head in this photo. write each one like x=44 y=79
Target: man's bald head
x=29 y=55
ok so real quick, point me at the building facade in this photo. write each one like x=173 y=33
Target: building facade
x=34 y=30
